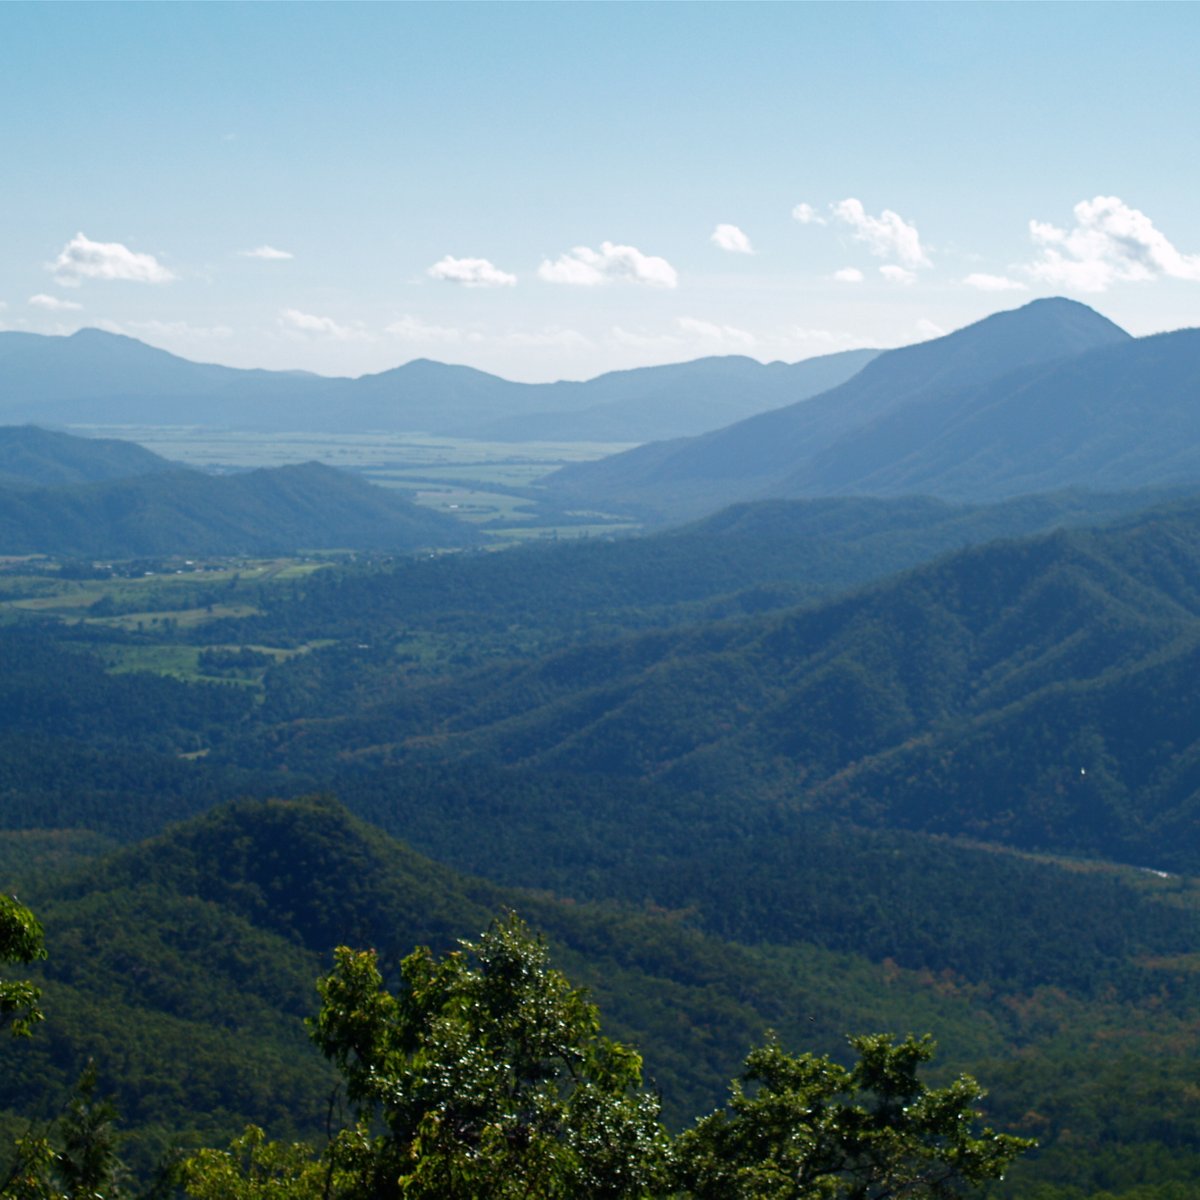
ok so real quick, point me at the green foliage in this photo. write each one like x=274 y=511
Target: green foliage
x=484 y=1075
x=21 y=941
x=254 y=1168
x=814 y=1130
x=76 y=1159
x=489 y=1075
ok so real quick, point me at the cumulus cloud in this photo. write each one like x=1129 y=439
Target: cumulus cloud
x=724 y=335
x=266 y=252
x=994 y=283
x=293 y=321
x=52 y=303
x=894 y=274
x=807 y=215
x=81 y=259
x=731 y=238
x=1109 y=243
x=413 y=329
x=584 y=267
x=888 y=235
x=470 y=272
x=848 y=275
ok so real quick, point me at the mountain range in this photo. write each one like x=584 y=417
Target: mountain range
x=1051 y=395
x=97 y=378
x=101 y=498
x=1038 y=692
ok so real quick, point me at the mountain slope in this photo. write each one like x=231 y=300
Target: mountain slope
x=681 y=399
x=184 y=512
x=1121 y=416
x=43 y=458
x=184 y=965
x=1051 y=636
x=749 y=558
x=752 y=458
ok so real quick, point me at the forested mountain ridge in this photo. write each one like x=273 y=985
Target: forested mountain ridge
x=94 y=377
x=177 y=511
x=680 y=800
x=749 y=558
x=755 y=458
x=35 y=457
x=199 y=946
x=1002 y=637
x=681 y=399
x=1120 y=416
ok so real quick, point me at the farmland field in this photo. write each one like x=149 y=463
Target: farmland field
x=486 y=483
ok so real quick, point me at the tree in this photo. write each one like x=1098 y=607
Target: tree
x=812 y=1129
x=73 y=1158
x=85 y=1165
x=20 y=941
x=256 y=1169
x=484 y=1076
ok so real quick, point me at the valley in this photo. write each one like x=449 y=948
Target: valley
x=821 y=765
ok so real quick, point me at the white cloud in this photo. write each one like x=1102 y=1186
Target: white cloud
x=470 y=272
x=929 y=329
x=413 y=329
x=53 y=303
x=886 y=236
x=724 y=335
x=266 y=252
x=994 y=283
x=895 y=274
x=807 y=215
x=585 y=267
x=1110 y=243
x=848 y=275
x=81 y=259
x=293 y=321
x=731 y=238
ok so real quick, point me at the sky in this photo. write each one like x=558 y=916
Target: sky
x=551 y=191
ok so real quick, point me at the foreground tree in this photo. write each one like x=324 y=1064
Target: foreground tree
x=256 y=1169
x=810 y=1129
x=488 y=1076
x=484 y=1076
x=20 y=942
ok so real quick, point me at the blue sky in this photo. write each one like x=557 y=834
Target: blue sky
x=554 y=190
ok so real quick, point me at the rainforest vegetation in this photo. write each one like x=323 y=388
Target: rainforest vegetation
x=892 y=777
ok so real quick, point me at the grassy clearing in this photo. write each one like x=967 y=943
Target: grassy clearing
x=533 y=533
x=183 y=661
x=185 y=594
x=469 y=504
x=184 y=618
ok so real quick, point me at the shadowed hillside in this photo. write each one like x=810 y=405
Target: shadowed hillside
x=757 y=457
